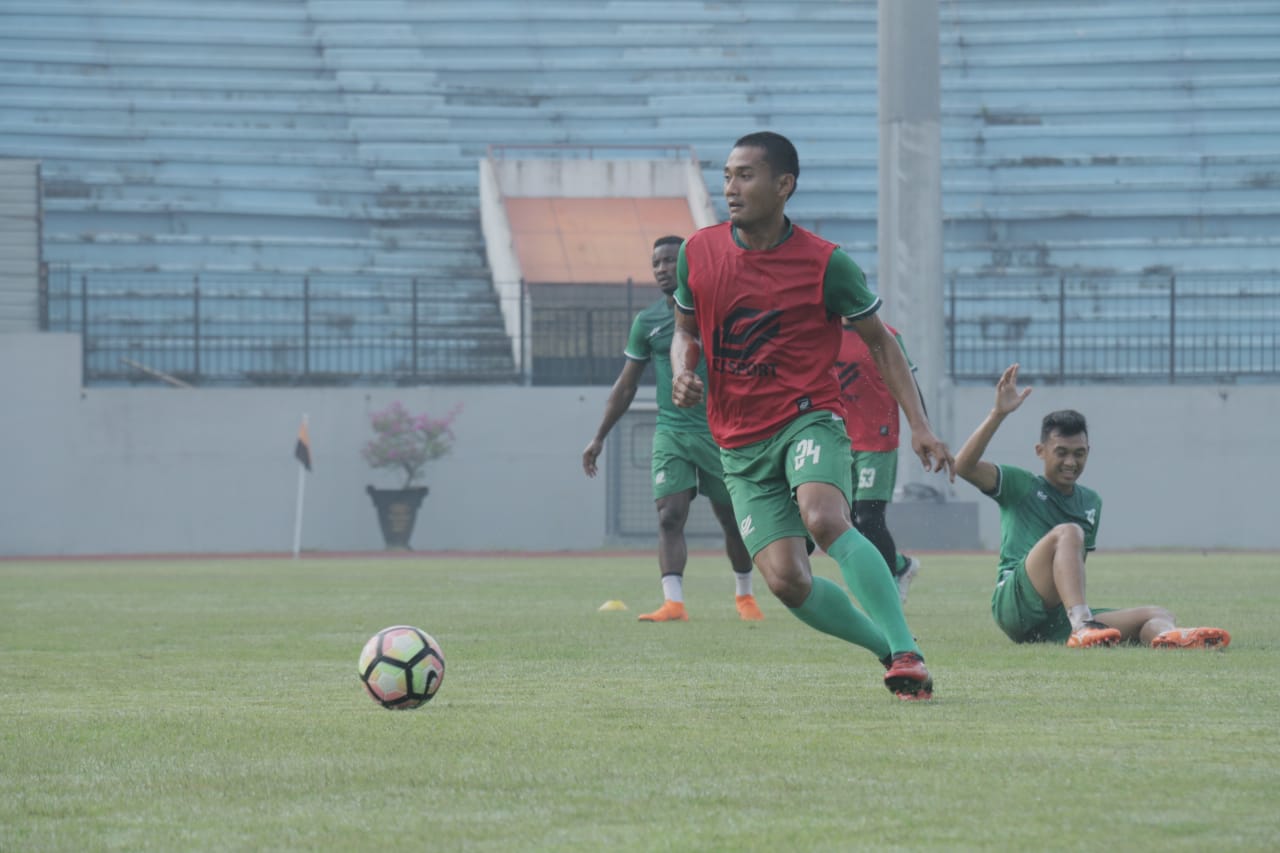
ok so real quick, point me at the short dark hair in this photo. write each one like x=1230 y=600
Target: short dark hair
x=669 y=240
x=1065 y=422
x=779 y=153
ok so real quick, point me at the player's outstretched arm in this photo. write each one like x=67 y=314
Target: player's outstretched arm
x=686 y=349
x=624 y=391
x=896 y=373
x=969 y=462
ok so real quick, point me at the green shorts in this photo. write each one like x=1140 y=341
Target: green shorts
x=762 y=477
x=1020 y=612
x=875 y=473
x=687 y=460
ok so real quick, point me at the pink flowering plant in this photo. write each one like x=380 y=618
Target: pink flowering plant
x=407 y=442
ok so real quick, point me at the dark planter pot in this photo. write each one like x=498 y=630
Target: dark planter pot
x=397 y=511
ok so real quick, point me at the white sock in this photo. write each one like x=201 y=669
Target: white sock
x=1079 y=615
x=742 y=583
x=673 y=587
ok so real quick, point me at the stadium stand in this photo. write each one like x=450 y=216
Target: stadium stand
x=1111 y=136
x=253 y=144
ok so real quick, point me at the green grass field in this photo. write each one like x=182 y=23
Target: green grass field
x=214 y=705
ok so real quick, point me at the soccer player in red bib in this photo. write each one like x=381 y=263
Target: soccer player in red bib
x=765 y=299
x=871 y=416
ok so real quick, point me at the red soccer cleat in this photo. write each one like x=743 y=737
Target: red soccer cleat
x=907 y=678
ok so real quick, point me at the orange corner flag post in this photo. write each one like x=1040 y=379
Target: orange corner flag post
x=302 y=451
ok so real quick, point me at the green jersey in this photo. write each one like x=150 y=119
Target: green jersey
x=1030 y=507
x=650 y=340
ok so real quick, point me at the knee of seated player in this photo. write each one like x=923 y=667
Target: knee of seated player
x=1068 y=535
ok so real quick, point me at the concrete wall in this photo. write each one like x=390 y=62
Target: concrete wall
x=158 y=470
x=155 y=470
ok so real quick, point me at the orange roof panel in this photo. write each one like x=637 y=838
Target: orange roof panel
x=592 y=240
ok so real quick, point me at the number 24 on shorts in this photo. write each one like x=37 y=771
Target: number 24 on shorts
x=806 y=450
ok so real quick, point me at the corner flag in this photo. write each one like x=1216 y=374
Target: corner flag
x=302 y=450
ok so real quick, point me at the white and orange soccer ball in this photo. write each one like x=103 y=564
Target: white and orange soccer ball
x=401 y=667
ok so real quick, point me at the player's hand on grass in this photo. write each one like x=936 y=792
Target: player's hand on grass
x=686 y=389
x=1008 y=397
x=590 y=455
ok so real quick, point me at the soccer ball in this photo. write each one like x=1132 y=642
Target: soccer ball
x=401 y=667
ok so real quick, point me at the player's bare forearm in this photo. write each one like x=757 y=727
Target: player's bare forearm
x=686 y=350
x=896 y=373
x=894 y=370
x=620 y=399
x=969 y=462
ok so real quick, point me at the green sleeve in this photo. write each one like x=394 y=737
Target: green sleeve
x=638 y=348
x=1014 y=484
x=1091 y=539
x=683 y=296
x=845 y=288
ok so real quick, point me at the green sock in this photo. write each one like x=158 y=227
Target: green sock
x=869 y=580
x=829 y=610
x=901 y=564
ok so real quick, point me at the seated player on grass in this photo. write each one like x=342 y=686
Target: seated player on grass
x=1048 y=523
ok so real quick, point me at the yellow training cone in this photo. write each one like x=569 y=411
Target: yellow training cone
x=611 y=604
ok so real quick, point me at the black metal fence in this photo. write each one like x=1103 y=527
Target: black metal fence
x=1155 y=328
x=319 y=331
x=331 y=331
x=579 y=346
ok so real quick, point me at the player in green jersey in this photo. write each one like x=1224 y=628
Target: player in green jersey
x=685 y=458
x=1048 y=524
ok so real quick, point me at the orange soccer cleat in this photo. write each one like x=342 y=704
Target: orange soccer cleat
x=1092 y=634
x=1192 y=638
x=748 y=610
x=670 y=611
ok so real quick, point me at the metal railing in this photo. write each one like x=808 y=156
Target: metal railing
x=320 y=331
x=333 y=331
x=1154 y=328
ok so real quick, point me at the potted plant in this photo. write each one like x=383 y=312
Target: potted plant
x=404 y=442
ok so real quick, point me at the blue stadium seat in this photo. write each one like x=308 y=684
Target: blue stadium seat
x=278 y=140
